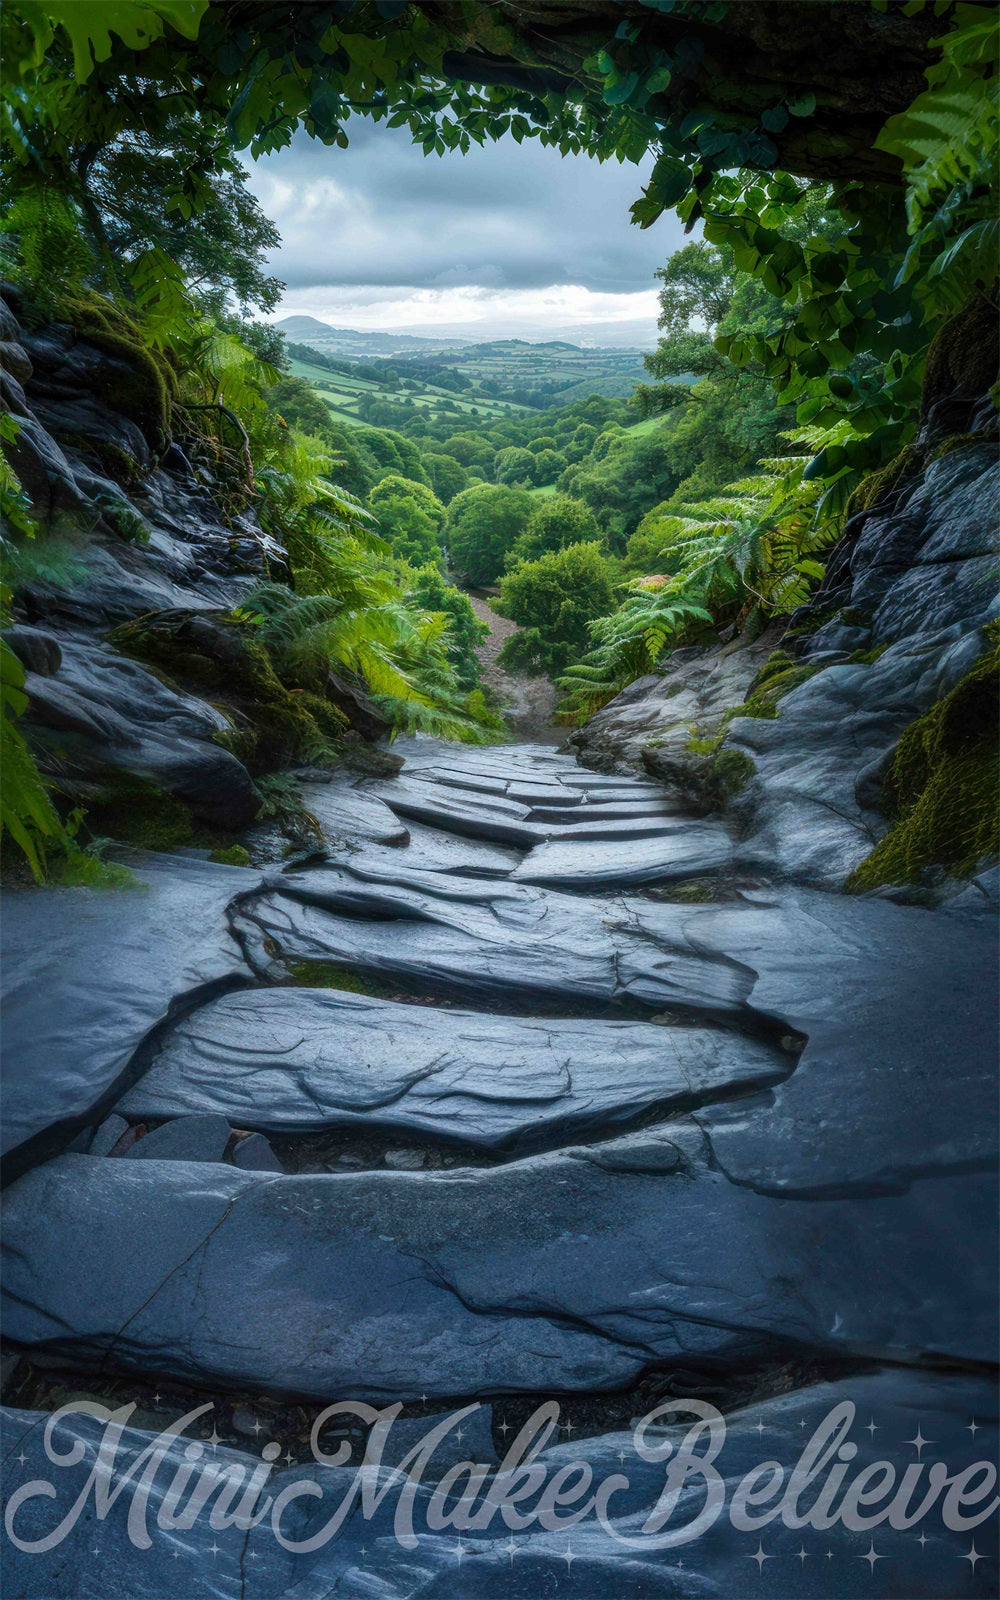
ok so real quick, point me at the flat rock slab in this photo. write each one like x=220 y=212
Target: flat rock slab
x=433 y=850
x=201 y=1137
x=558 y=1272
x=298 y=1060
x=899 y=1074
x=366 y=1558
x=688 y=850
x=480 y=816
x=347 y=814
x=501 y=942
x=88 y=973
x=619 y=811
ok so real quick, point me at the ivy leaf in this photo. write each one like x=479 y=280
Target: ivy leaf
x=803 y=107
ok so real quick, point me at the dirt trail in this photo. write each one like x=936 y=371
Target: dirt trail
x=528 y=702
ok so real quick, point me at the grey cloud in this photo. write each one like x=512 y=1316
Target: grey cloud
x=505 y=216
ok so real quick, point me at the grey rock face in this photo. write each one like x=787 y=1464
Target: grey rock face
x=654 y=717
x=347 y=814
x=920 y=583
x=254 y=1154
x=193 y=1138
x=88 y=973
x=36 y=650
x=125 y=717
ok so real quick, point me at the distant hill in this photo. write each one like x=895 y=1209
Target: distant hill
x=359 y=345
x=518 y=371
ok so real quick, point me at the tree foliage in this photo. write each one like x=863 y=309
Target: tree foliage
x=483 y=524
x=555 y=599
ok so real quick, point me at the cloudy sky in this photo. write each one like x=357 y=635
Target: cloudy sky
x=508 y=241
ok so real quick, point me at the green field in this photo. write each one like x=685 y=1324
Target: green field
x=341 y=392
x=543 y=489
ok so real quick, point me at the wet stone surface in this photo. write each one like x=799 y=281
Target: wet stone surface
x=522 y=1085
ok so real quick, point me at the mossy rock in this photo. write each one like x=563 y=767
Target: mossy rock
x=962 y=359
x=731 y=772
x=215 y=655
x=233 y=855
x=137 y=812
x=942 y=786
x=136 y=382
x=327 y=975
x=777 y=677
x=871 y=491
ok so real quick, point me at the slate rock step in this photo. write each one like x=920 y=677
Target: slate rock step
x=196 y=1138
x=87 y=974
x=689 y=850
x=348 y=814
x=505 y=944
x=298 y=1060
x=560 y=1272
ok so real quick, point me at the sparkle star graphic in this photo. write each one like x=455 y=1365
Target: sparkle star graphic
x=569 y=1427
x=802 y=1554
x=871 y=1428
x=511 y=1549
x=919 y=1441
x=923 y=1540
x=568 y=1557
x=621 y=1457
x=214 y=1437
x=973 y=1556
x=257 y=1428
x=459 y=1552
x=871 y=1555
x=459 y=1436
x=289 y=1458
x=503 y=1427
x=22 y=1458
x=760 y=1556
x=214 y=1548
x=760 y=1427
x=973 y=1427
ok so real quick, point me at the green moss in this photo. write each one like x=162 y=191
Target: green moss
x=234 y=855
x=218 y=658
x=878 y=485
x=731 y=772
x=942 y=786
x=113 y=460
x=960 y=441
x=865 y=658
x=688 y=894
x=770 y=685
x=856 y=616
x=326 y=975
x=141 y=386
x=777 y=661
x=136 y=811
x=962 y=355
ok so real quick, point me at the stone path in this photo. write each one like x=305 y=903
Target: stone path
x=529 y=703
x=521 y=1088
